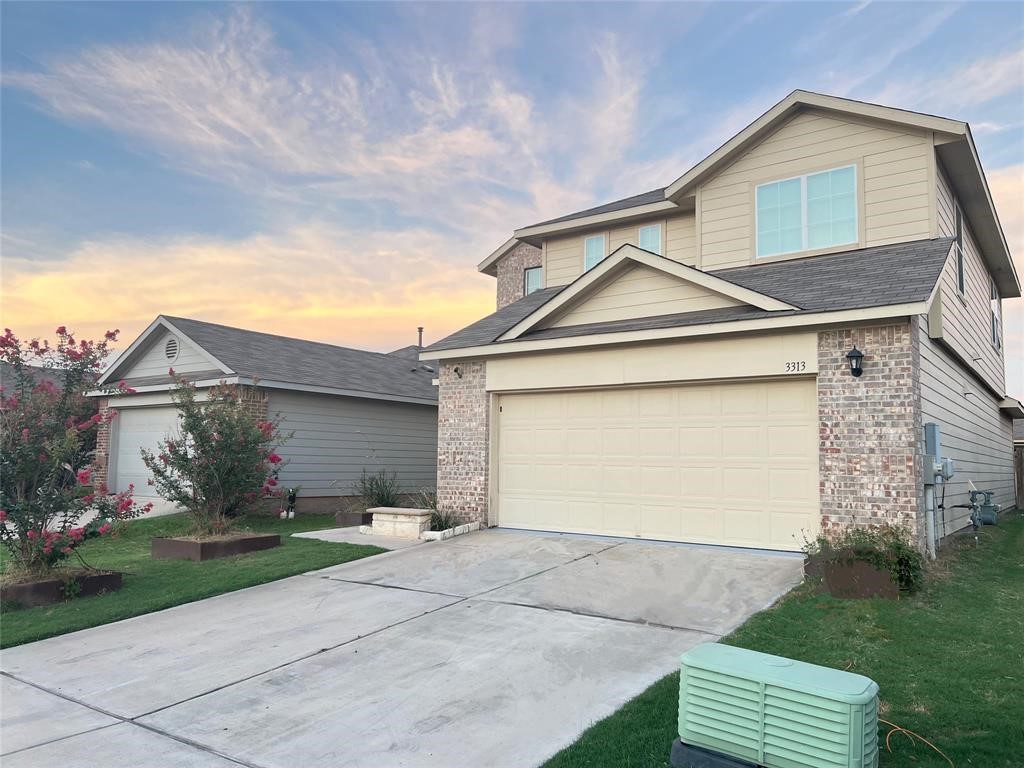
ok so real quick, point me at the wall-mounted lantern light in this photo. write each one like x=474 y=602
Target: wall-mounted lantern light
x=457 y=371
x=856 y=358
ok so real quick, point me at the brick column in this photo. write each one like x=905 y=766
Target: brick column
x=510 y=272
x=255 y=401
x=870 y=429
x=101 y=458
x=463 y=440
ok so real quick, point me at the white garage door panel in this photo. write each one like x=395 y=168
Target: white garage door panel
x=139 y=428
x=729 y=464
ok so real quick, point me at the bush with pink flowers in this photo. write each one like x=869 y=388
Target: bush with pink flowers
x=221 y=461
x=47 y=433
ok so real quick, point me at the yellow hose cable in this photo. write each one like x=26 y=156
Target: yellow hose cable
x=912 y=736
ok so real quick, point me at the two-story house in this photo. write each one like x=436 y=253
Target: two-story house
x=749 y=355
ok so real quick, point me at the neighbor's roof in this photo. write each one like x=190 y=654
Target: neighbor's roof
x=1018 y=430
x=870 y=277
x=296 y=363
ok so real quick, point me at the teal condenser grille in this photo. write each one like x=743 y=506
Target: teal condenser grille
x=777 y=712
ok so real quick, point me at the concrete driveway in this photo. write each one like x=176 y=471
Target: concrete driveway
x=497 y=648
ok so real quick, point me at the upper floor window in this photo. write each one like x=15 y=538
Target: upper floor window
x=593 y=251
x=997 y=317
x=806 y=213
x=650 y=238
x=533 y=280
x=961 y=281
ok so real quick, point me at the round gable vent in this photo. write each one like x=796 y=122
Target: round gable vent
x=171 y=348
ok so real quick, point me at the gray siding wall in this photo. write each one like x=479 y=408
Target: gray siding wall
x=975 y=434
x=336 y=437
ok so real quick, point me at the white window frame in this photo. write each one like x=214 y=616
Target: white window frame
x=661 y=241
x=996 y=312
x=526 y=285
x=604 y=250
x=803 y=211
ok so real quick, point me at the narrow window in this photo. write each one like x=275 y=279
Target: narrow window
x=533 y=280
x=997 y=317
x=650 y=238
x=593 y=251
x=807 y=213
x=961 y=283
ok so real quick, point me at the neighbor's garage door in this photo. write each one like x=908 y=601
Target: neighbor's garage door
x=729 y=464
x=138 y=428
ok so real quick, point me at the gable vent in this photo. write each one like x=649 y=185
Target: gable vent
x=171 y=349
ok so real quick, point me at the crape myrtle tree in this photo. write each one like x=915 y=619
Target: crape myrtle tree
x=47 y=435
x=221 y=461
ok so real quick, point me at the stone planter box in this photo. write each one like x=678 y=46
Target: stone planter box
x=458 y=530
x=855 y=579
x=49 y=591
x=211 y=549
x=405 y=523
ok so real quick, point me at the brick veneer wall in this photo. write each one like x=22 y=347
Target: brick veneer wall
x=510 y=272
x=101 y=458
x=870 y=429
x=463 y=439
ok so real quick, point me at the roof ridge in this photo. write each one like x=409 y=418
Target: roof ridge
x=173 y=318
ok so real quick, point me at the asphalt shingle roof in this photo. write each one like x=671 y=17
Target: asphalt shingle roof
x=868 y=277
x=644 y=198
x=309 y=363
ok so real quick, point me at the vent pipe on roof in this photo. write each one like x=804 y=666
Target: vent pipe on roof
x=419 y=329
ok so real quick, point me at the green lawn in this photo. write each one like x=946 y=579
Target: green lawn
x=949 y=662
x=151 y=585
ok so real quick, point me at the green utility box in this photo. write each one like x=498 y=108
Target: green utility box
x=776 y=712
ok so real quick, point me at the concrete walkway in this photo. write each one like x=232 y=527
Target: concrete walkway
x=497 y=648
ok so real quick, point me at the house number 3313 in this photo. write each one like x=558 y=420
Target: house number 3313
x=795 y=366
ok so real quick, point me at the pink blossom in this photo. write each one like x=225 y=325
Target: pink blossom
x=271 y=482
x=170 y=372
x=24 y=434
x=104 y=529
x=66 y=550
x=61 y=330
x=3 y=515
x=147 y=507
x=112 y=335
x=84 y=475
x=77 y=533
x=89 y=498
x=274 y=458
x=33 y=535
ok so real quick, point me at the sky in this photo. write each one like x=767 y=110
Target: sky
x=336 y=171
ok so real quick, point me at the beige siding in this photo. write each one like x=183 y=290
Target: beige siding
x=643 y=292
x=564 y=254
x=155 y=363
x=893 y=182
x=336 y=437
x=974 y=432
x=966 y=321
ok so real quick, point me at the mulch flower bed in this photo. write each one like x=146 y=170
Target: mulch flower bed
x=200 y=550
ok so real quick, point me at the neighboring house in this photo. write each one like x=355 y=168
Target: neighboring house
x=349 y=409
x=683 y=370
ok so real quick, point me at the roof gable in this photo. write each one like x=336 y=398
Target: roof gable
x=149 y=357
x=632 y=283
x=768 y=122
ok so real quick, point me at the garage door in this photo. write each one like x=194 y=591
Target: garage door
x=138 y=428
x=732 y=464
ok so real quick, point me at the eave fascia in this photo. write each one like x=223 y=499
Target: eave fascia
x=793 y=321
